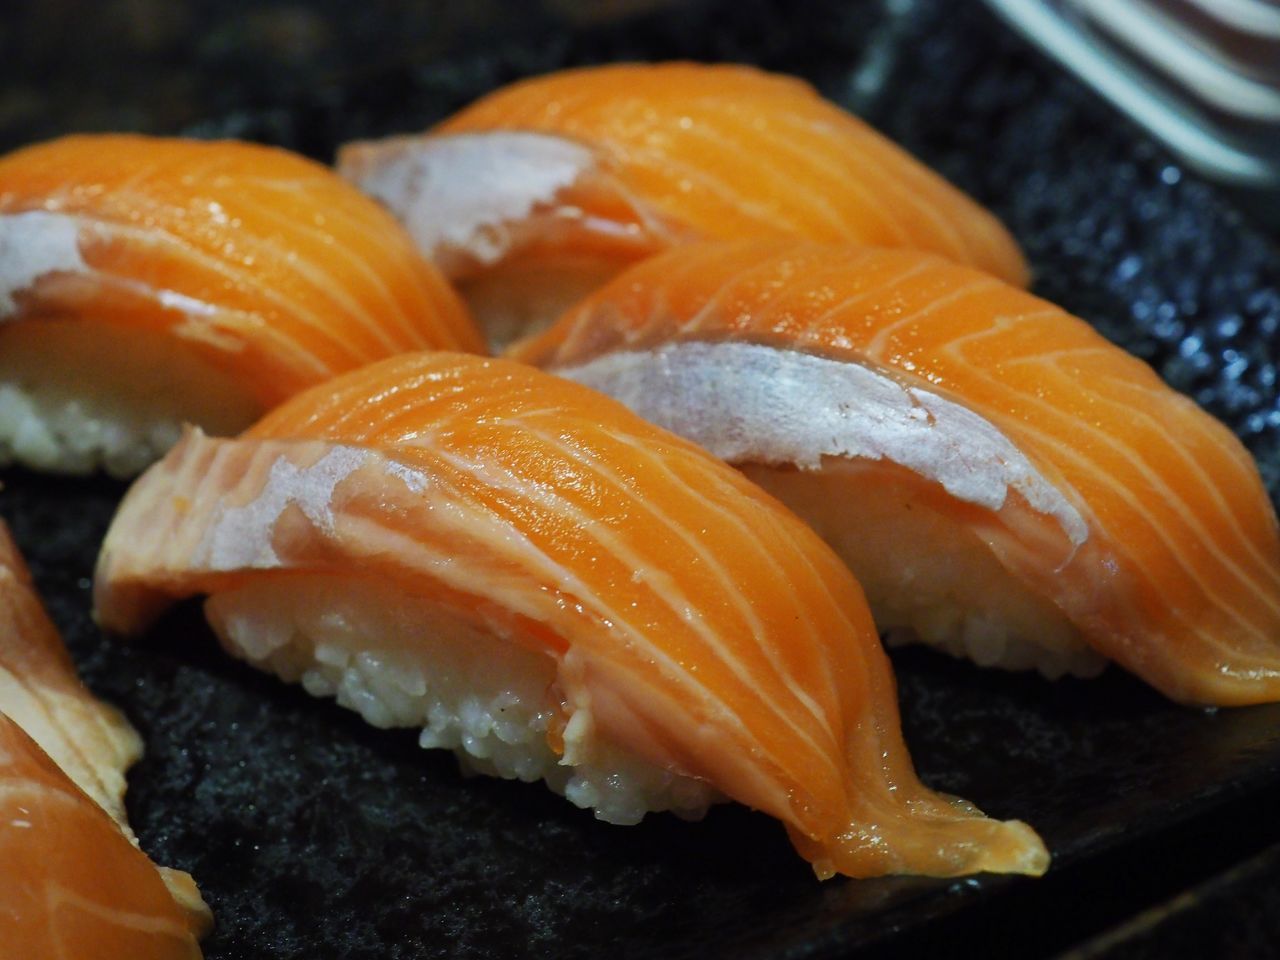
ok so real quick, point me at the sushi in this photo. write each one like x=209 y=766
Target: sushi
x=73 y=882
x=554 y=589
x=147 y=282
x=537 y=193
x=1005 y=483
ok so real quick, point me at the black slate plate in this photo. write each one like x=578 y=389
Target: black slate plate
x=1231 y=915
x=314 y=836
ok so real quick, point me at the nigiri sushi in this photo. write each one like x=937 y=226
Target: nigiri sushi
x=146 y=282
x=73 y=882
x=1005 y=483
x=540 y=191
x=556 y=589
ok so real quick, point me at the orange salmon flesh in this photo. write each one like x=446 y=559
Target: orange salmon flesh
x=266 y=265
x=691 y=618
x=1140 y=517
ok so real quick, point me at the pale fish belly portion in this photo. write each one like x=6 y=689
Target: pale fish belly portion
x=76 y=395
x=463 y=198
x=32 y=245
x=524 y=223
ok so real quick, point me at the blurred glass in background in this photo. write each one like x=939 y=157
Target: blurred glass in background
x=1203 y=76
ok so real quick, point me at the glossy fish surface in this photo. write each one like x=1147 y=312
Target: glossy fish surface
x=580 y=172
x=1139 y=518
x=686 y=616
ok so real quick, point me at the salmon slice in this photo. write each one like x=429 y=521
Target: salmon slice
x=558 y=590
x=40 y=691
x=1005 y=482
x=73 y=882
x=530 y=195
x=145 y=282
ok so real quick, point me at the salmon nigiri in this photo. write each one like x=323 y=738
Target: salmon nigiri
x=1004 y=482
x=148 y=282
x=556 y=589
x=538 y=192
x=73 y=882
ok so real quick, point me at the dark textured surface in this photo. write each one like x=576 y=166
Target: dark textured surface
x=314 y=836
x=1227 y=916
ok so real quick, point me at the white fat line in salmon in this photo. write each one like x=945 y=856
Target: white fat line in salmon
x=242 y=536
x=751 y=403
x=458 y=191
x=32 y=245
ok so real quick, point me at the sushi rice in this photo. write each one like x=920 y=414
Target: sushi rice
x=482 y=698
x=76 y=397
x=928 y=580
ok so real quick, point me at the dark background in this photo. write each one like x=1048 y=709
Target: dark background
x=314 y=836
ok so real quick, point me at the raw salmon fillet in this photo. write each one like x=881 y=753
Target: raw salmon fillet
x=683 y=616
x=73 y=882
x=1118 y=510
x=574 y=174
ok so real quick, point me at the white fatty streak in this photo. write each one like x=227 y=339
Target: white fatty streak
x=752 y=403
x=664 y=587
x=1152 y=478
x=885 y=165
x=37 y=243
x=459 y=191
x=32 y=245
x=821 y=172
x=216 y=325
x=241 y=537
